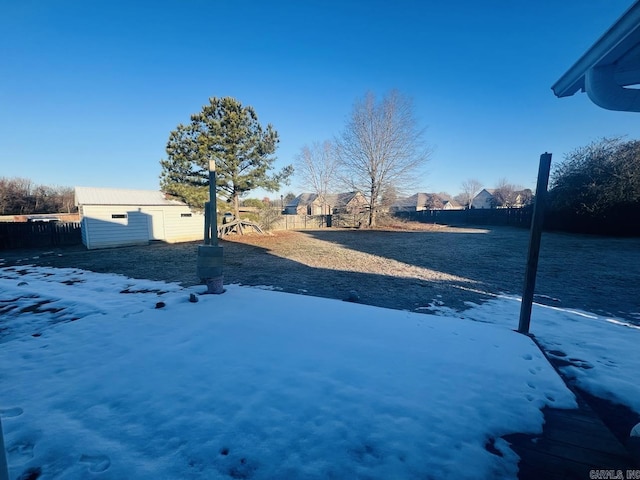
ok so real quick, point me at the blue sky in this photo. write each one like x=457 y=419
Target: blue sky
x=89 y=90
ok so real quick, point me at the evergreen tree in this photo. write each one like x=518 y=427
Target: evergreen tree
x=229 y=134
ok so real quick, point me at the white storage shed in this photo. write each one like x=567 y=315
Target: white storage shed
x=115 y=217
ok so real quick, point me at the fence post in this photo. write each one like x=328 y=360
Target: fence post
x=534 y=243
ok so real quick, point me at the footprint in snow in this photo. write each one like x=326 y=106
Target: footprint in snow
x=97 y=463
x=11 y=412
x=20 y=453
x=32 y=473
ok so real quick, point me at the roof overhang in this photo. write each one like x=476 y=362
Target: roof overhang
x=607 y=70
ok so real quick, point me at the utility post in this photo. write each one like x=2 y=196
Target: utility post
x=209 y=267
x=534 y=243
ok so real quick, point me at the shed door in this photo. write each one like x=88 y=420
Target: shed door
x=156 y=224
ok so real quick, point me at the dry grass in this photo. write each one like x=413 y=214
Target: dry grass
x=403 y=266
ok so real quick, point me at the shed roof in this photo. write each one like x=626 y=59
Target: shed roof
x=121 y=196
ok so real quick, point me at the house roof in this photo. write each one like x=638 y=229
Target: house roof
x=413 y=200
x=609 y=66
x=302 y=199
x=451 y=202
x=121 y=196
x=333 y=199
x=418 y=200
x=339 y=199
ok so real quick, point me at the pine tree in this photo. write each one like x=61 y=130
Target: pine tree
x=229 y=134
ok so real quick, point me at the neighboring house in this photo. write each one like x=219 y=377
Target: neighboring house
x=301 y=205
x=419 y=202
x=451 y=205
x=114 y=217
x=348 y=202
x=484 y=199
x=523 y=198
x=332 y=203
x=493 y=198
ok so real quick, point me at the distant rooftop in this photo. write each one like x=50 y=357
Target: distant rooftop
x=121 y=196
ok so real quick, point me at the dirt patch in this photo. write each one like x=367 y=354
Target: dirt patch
x=402 y=269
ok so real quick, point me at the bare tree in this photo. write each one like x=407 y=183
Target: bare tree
x=20 y=196
x=381 y=146
x=506 y=193
x=316 y=165
x=67 y=199
x=388 y=196
x=470 y=188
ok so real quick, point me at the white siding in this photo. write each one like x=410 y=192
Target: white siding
x=180 y=228
x=101 y=230
x=483 y=200
x=156 y=223
x=142 y=224
x=83 y=228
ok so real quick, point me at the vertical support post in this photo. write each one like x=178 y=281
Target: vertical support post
x=207 y=224
x=213 y=203
x=534 y=243
x=210 y=260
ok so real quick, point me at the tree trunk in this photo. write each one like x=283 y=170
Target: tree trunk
x=236 y=206
x=372 y=205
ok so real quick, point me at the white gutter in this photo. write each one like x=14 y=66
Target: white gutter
x=595 y=71
x=604 y=91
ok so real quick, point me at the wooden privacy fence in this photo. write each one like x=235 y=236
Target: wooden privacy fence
x=517 y=217
x=39 y=234
x=302 y=222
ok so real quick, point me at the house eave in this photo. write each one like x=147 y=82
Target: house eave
x=610 y=66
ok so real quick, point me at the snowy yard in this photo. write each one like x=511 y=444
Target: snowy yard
x=106 y=377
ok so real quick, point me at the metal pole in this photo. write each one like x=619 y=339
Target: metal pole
x=534 y=243
x=207 y=224
x=213 y=212
x=210 y=260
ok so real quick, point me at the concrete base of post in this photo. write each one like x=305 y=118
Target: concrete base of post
x=214 y=285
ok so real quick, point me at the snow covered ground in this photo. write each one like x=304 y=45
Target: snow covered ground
x=106 y=377
x=601 y=353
